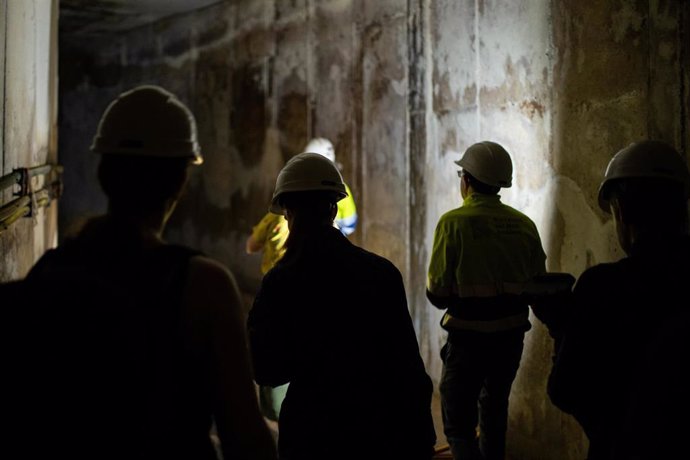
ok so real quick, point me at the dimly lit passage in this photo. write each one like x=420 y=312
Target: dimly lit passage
x=400 y=90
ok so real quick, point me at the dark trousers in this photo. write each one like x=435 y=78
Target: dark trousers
x=478 y=373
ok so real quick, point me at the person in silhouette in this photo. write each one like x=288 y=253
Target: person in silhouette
x=136 y=347
x=268 y=237
x=619 y=338
x=358 y=387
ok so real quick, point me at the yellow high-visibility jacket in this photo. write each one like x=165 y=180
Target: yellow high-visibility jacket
x=484 y=251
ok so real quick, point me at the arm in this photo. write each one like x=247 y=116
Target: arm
x=214 y=307
x=550 y=296
x=441 y=273
x=269 y=325
x=578 y=365
x=257 y=239
x=440 y=302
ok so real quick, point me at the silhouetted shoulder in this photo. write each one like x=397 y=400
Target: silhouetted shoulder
x=217 y=326
x=375 y=258
x=378 y=263
x=596 y=275
x=202 y=266
x=210 y=284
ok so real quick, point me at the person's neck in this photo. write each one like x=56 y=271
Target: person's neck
x=302 y=231
x=638 y=237
x=150 y=227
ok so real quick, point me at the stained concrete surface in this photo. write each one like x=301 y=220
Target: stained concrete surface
x=402 y=88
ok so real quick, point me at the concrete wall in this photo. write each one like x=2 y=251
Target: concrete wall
x=402 y=88
x=28 y=91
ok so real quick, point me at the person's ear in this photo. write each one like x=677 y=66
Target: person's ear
x=464 y=186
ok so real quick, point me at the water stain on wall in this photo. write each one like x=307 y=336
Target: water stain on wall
x=248 y=118
x=292 y=114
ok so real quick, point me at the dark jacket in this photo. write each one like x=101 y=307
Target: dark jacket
x=332 y=319
x=616 y=312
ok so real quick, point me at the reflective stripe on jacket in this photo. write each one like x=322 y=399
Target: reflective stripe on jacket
x=507 y=323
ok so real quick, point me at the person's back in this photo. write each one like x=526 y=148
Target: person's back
x=332 y=319
x=113 y=370
x=656 y=421
x=618 y=309
x=355 y=374
x=500 y=245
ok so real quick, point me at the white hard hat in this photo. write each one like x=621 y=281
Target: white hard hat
x=307 y=172
x=489 y=163
x=645 y=159
x=148 y=120
x=322 y=146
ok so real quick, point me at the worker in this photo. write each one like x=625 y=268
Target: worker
x=358 y=387
x=135 y=347
x=483 y=254
x=624 y=332
x=269 y=237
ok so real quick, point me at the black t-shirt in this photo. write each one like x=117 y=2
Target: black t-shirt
x=102 y=367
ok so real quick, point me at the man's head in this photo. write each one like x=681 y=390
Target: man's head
x=308 y=187
x=486 y=167
x=147 y=139
x=646 y=187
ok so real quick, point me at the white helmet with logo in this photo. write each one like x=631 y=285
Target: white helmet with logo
x=322 y=146
x=150 y=121
x=307 y=172
x=489 y=163
x=645 y=159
